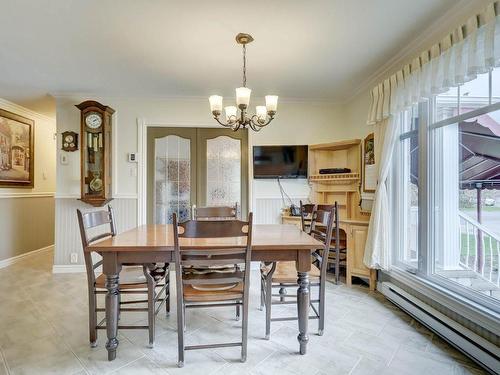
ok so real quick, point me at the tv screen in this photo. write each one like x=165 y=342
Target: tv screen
x=280 y=161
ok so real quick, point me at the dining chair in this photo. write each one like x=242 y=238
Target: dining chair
x=215 y=212
x=337 y=257
x=216 y=289
x=284 y=275
x=306 y=212
x=151 y=279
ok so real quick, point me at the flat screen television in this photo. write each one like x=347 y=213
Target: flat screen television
x=280 y=161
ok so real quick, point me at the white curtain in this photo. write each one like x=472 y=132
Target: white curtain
x=471 y=49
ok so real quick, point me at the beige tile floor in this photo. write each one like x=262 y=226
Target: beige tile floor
x=43 y=330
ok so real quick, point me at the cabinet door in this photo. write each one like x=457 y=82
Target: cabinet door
x=357 y=250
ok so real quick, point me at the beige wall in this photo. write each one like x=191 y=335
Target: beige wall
x=27 y=215
x=297 y=122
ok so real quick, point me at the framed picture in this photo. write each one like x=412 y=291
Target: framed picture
x=370 y=169
x=16 y=150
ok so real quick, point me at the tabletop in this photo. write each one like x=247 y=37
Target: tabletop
x=159 y=237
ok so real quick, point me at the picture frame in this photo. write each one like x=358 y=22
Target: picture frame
x=369 y=166
x=17 y=143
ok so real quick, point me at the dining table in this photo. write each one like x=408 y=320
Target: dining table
x=154 y=243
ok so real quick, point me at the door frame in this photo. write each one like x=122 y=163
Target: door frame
x=142 y=151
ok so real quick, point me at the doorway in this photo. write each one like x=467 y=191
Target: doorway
x=195 y=166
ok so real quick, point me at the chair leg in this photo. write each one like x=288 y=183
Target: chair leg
x=321 y=321
x=167 y=291
x=282 y=293
x=244 y=333
x=337 y=265
x=184 y=316
x=268 y=286
x=261 y=294
x=180 y=332
x=92 y=318
x=151 y=305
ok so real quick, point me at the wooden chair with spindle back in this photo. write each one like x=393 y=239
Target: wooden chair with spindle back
x=214 y=289
x=306 y=212
x=151 y=280
x=215 y=212
x=337 y=257
x=284 y=275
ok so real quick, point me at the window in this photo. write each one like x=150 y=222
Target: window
x=407 y=203
x=453 y=141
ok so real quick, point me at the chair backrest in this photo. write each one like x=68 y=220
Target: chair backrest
x=214 y=255
x=88 y=221
x=215 y=212
x=306 y=214
x=328 y=216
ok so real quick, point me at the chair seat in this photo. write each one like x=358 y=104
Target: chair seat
x=286 y=272
x=212 y=294
x=131 y=277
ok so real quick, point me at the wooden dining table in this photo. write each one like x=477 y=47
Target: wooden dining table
x=154 y=243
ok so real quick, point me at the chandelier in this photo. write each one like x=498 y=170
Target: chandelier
x=263 y=114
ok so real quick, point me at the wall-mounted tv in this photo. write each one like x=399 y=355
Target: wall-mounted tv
x=280 y=161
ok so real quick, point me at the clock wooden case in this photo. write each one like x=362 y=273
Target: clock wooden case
x=69 y=141
x=95 y=147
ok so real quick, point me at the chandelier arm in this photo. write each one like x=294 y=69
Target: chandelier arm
x=220 y=122
x=253 y=127
x=254 y=120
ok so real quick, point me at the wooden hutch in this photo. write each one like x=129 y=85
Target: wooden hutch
x=345 y=189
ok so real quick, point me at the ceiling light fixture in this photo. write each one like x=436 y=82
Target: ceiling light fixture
x=263 y=114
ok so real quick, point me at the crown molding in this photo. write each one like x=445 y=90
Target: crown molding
x=430 y=36
x=78 y=96
x=18 y=109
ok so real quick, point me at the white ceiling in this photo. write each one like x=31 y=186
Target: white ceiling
x=322 y=49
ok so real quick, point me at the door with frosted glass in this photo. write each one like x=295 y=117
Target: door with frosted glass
x=223 y=168
x=171 y=173
x=193 y=166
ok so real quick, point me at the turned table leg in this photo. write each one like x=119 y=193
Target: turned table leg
x=303 y=310
x=111 y=269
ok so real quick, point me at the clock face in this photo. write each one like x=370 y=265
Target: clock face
x=68 y=139
x=93 y=120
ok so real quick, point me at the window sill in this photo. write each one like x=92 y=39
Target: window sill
x=476 y=313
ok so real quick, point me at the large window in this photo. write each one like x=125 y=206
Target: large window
x=447 y=188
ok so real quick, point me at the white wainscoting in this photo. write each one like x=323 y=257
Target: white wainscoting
x=68 y=234
x=268 y=210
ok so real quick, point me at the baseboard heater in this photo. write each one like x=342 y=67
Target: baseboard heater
x=480 y=350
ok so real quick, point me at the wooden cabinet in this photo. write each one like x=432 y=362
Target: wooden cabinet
x=295 y=220
x=356 y=233
x=343 y=188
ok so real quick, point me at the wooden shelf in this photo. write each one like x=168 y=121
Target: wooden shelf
x=343 y=191
x=335 y=146
x=334 y=177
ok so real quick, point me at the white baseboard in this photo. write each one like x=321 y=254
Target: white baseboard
x=68 y=268
x=9 y=261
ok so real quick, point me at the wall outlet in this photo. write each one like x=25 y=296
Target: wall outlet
x=63 y=159
x=74 y=258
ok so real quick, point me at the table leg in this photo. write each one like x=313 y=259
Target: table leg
x=303 y=310
x=111 y=269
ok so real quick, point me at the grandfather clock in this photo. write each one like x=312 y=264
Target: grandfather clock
x=95 y=146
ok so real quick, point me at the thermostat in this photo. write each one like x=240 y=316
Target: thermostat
x=132 y=157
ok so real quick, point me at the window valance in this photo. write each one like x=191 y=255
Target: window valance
x=471 y=49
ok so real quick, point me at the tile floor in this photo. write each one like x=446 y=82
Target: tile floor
x=43 y=330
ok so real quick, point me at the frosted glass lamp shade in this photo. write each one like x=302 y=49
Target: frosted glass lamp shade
x=215 y=103
x=272 y=103
x=231 y=113
x=261 y=112
x=243 y=96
